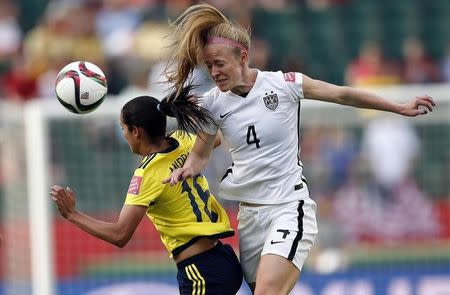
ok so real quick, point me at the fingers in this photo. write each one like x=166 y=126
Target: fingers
x=63 y=198
x=56 y=188
x=177 y=175
x=428 y=99
x=58 y=193
x=166 y=180
x=423 y=105
x=185 y=174
x=55 y=193
x=428 y=104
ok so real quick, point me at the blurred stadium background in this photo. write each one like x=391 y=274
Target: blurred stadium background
x=382 y=182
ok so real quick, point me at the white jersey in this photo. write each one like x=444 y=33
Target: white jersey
x=262 y=132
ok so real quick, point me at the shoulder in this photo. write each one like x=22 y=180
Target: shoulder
x=270 y=74
x=146 y=162
x=288 y=77
x=212 y=100
x=280 y=77
x=185 y=139
x=211 y=94
x=287 y=83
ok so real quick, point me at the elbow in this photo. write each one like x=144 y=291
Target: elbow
x=121 y=240
x=343 y=92
x=343 y=95
x=120 y=244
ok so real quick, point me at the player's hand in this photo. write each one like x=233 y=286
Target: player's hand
x=420 y=105
x=177 y=175
x=64 y=198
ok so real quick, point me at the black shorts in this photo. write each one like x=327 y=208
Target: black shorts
x=216 y=271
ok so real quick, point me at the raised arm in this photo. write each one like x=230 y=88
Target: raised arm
x=117 y=233
x=197 y=159
x=320 y=90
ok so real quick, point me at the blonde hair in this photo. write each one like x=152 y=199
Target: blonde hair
x=192 y=31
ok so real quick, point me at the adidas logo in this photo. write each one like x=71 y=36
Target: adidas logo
x=84 y=95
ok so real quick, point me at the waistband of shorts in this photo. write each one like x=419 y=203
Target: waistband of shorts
x=190 y=260
x=246 y=204
x=251 y=204
x=251 y=207
x=296 y=188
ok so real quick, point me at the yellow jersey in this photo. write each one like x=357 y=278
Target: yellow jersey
x=181 y=213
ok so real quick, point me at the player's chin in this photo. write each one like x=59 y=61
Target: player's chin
x=223 y=86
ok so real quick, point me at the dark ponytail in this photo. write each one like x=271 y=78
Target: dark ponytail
x=150 y=113
x=191 y=117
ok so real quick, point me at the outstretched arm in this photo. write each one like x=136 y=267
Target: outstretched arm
x=197 y=159
x=118 y=233
x=320 y=90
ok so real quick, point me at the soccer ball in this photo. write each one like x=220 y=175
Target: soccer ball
x=81 y=87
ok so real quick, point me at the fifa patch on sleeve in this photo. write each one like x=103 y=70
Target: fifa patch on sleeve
x=135 y=185
x=289 y=77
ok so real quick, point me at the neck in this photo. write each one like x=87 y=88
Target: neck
x=248 y=80
x=154 y=147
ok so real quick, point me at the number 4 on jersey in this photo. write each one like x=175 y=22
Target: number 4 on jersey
x=251 y=136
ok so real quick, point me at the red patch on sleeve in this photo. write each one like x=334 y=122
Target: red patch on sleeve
x=289 y=77
x=135 y=185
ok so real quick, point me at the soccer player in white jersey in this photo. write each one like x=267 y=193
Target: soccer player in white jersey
x=258 y=115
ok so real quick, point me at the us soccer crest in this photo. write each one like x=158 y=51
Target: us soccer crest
x=271 y=100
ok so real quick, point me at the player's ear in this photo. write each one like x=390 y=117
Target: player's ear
x=140 y=132
x=244 y=56
x=135 y=130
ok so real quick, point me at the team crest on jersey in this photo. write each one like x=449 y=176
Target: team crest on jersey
x=271 y=100
x=135 y=185
x=289 y=77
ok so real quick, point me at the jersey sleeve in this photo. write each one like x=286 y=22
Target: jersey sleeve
x=143 y=189
x=207 y=103
x=294 y=81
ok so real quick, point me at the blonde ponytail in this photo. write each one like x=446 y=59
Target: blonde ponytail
x=192 y=31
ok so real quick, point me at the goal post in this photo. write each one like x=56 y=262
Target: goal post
x=37 y=115
x=36 y=141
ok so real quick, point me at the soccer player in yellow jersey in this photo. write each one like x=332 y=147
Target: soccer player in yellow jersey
x=189 y=219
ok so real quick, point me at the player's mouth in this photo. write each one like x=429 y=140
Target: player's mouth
x=221 y=82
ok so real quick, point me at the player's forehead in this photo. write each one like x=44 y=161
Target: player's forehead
x=213 y=52
x=121 y=120
x=121 y=124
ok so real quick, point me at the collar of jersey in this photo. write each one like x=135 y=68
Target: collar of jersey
x=174 y=144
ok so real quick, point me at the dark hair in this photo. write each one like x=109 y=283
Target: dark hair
x=142 y=112
x=150 y=113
